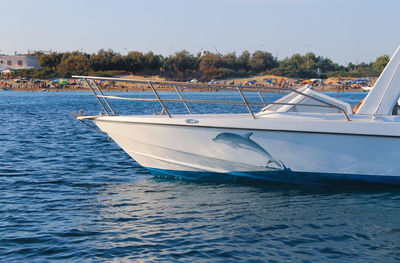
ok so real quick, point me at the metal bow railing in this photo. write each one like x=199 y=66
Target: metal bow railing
x=102 y=99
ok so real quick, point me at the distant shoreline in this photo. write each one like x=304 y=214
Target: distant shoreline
x=267 y=81
x=162 y=90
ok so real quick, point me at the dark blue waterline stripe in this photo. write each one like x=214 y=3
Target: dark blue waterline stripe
x=279 y=176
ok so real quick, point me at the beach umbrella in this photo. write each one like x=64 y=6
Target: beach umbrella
x=6 y=71
x=317 y=80
x=63 y=82
x=194 y=81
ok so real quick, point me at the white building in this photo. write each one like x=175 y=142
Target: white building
x=18 y=62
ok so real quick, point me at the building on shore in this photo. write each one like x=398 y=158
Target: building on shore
x=18 y=62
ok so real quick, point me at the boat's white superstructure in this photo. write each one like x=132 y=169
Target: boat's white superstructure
x=303 y=137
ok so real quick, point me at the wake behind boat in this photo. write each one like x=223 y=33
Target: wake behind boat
x=304 y=137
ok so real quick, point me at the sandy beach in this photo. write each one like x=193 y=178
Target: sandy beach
x=268 y=81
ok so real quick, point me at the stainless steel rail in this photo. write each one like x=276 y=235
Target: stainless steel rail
x=175 y=85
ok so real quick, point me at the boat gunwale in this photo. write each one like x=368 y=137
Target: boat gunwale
x=239 y=128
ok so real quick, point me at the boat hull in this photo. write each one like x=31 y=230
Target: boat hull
x=212 y=153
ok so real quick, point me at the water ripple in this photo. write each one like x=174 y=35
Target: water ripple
x=67 y=194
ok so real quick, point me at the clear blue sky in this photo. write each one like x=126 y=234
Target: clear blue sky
x=343 y=30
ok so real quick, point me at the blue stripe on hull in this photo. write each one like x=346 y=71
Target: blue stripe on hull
x=278 y=176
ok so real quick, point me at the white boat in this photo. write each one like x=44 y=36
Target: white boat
x=304 y=137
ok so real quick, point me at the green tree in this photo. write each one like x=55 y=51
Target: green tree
x=230 y=61
x=262 y=61
x=380 y=63
x=103 y=60
x=152 y=61
x=243 y=60
x=327 y=65
x=74 y=62
x=50 y=61
x=182 y=62
x=209 y=65
x=134 y=61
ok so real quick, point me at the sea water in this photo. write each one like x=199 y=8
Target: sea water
x=68 y=194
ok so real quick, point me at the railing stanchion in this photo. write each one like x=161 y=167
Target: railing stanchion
x=159 y=99
x=245 y=102
x=105 y=100
x=97 y=98
x=261 y=97
x=184 y=102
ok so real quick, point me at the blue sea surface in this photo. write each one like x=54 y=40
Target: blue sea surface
x=68 y=194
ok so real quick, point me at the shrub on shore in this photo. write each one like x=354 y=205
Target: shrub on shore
x=204 y=66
